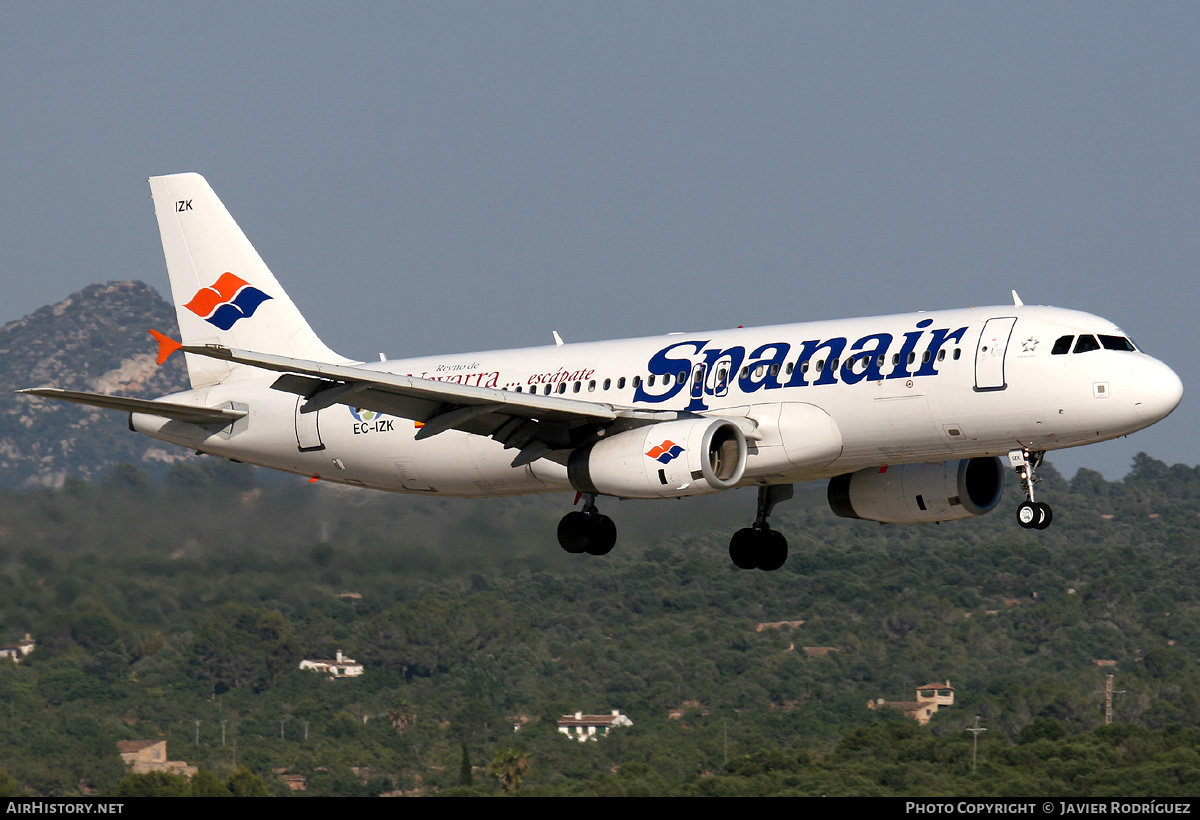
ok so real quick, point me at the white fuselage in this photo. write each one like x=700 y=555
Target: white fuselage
x=820 y=399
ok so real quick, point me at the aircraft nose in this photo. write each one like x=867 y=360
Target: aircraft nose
x=1156 y=390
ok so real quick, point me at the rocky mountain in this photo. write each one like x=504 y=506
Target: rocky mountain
x=93 y=340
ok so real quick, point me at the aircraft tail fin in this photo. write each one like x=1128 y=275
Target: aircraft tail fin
x=222 y=290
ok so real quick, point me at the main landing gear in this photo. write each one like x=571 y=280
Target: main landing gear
x=587 y=530
x=1031 y=514
x=758 y=546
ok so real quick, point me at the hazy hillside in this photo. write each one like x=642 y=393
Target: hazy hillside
x=93 y=340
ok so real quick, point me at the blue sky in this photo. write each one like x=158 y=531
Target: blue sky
x=442 y=177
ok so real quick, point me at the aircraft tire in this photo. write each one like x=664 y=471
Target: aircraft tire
x=573 y=532
x=1028 y=514
x=1045 y=516
x=602 y=535
x=772 y=550
x=743 y=548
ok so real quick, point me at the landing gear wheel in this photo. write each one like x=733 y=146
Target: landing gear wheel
x=603 y=535
x=773 y=551
x=572 y=532
x=743 y=548
x=753 y=548
x=1045 y=515
x=759 y=546
x=1028 y=514
x=587 y=531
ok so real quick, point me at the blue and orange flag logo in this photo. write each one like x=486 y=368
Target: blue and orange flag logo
x=666 y=452
x=226 y=301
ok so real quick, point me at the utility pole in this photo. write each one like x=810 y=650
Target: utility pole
x=975 y=742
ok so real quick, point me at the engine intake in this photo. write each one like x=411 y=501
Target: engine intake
x=919 y=493
x=670 y=459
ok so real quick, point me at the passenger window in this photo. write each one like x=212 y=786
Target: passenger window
x=1063 y=345
x=592 y=386
x=562 y=387
x=941 y=355
x=650 y=381
x=607 y=383
x=1086 y=344
x=957 y=353
x=790 y=367
x=637 y=382
x=575 y=389
x=621 y=383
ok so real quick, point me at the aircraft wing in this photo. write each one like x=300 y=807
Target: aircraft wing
x=170 y=410
x=532 y=423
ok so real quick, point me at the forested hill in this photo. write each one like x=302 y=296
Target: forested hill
x=156 y=604
x=94 y=340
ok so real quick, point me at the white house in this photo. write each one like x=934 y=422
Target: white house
x=339 y=667
x=588 y=727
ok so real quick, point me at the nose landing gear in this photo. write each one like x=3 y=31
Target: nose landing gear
x=758 y=546
x=1031 y=514
x=588 y=530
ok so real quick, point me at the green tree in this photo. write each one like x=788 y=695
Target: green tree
x=245 y=783
x=243 y=645
x=509 y=767
x=465 y=776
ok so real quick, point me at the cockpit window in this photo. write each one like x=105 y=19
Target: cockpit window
x=1063 y=345
x=1116 y=343
x=1086 y=344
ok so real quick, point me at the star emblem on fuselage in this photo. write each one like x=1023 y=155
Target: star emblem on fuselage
x=1029 y=345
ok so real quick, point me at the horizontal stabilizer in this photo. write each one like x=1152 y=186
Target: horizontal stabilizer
x=179 y=412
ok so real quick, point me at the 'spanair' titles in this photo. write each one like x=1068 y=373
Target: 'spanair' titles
x=226 y=301
x=708 y=371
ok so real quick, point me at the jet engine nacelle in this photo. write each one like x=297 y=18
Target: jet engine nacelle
x=919 y=493
x=665 y=460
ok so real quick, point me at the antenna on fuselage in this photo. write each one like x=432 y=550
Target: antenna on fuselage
x=1016 y=299
x=558 y=342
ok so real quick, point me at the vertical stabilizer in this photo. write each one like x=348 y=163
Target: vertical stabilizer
x=222 y=290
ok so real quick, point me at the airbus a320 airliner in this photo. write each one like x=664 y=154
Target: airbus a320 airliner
x=907 y=416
